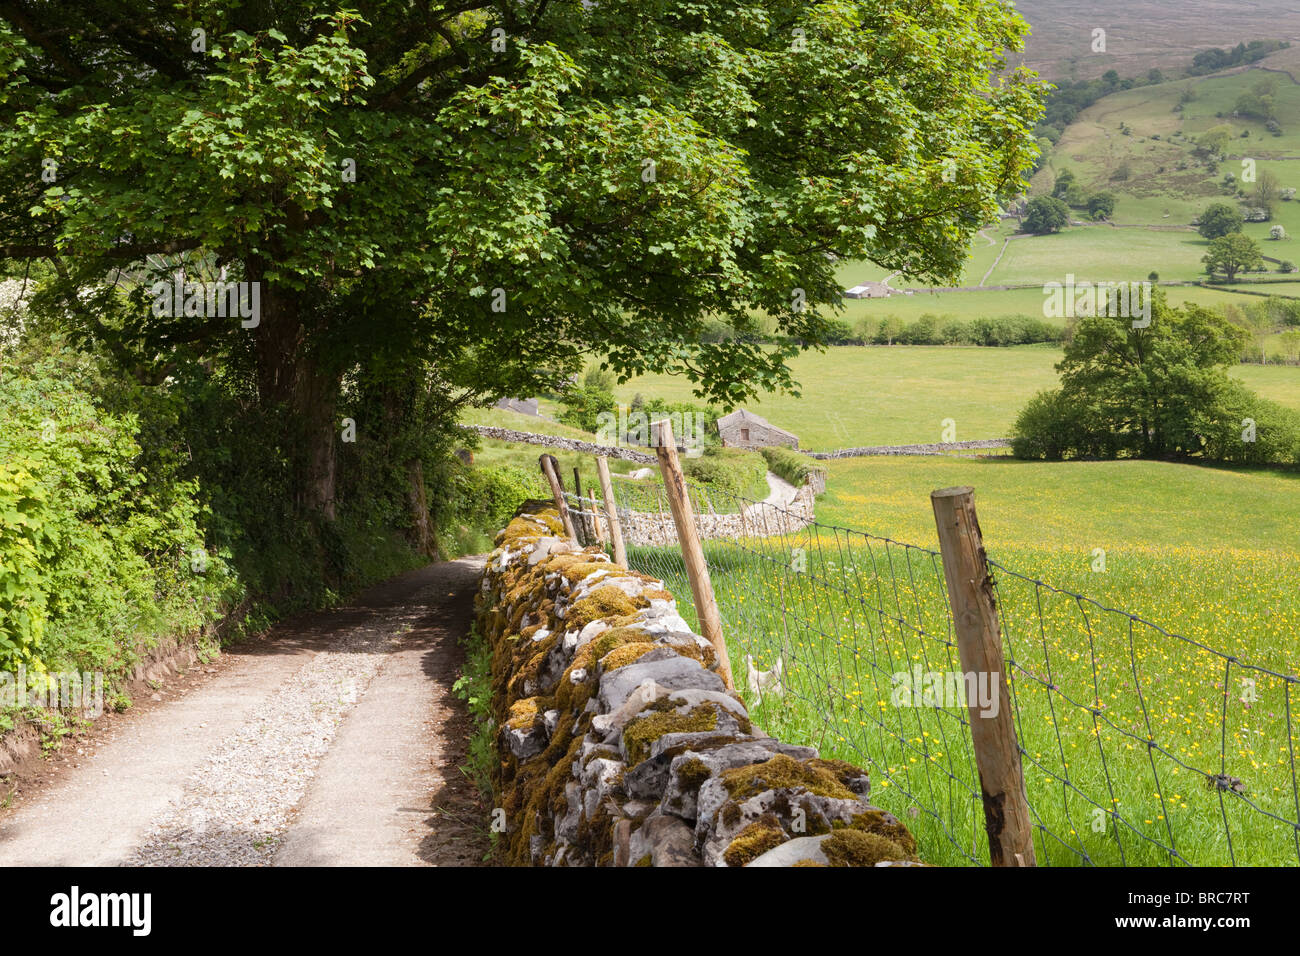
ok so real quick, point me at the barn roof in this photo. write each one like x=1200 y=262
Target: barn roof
x=744 y=415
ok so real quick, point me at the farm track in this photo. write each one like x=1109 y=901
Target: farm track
x=335 y=739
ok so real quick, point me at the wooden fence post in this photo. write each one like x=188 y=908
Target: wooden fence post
x=697 y=569
x=611 y=512
x=557 y=489
x=582 y=519
x=979 y=644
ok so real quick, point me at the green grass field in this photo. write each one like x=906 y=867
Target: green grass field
x=882 y=395
x=865 y=610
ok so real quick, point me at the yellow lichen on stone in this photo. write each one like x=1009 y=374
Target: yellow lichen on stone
x=855 y=848
x=523 y=713
x=583 y=569
x=807 y=863
x=603 y=603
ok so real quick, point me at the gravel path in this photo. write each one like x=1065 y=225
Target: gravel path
x=226 y=777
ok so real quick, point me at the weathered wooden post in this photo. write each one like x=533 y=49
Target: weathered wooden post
x=611 y=512
x=582 y=506
x=979 y=645
x=557 y=489
x=697 y=569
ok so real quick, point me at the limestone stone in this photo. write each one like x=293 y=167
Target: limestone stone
x=671 y=671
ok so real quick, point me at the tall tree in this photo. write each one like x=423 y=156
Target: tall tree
x=498 y=187
x=1145 y=384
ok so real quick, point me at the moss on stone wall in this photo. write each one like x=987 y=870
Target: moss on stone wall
x=568 y=793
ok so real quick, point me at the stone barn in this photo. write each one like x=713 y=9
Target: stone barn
x=524 y=406
x=744 y=429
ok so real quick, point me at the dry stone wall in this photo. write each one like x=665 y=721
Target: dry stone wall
x=930 y=448
x=656 y=528
x=618 y=743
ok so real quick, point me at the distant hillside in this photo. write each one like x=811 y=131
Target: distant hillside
x=1141 y=34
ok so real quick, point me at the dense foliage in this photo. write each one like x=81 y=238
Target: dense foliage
x=102 y=543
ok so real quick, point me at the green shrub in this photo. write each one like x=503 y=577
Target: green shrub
x=1054 y=426
x=1226 y=432
x=583 y=405
x=789 y=464
x=733 y=471
x=102 y=547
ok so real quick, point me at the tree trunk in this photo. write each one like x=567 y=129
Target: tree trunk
x=419 y=503
x=291 y=378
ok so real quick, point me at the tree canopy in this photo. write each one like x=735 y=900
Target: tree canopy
x=1046 y=214
x=493 y=192
x=1219 y=219
x=1155 y=390
x=1233 y=253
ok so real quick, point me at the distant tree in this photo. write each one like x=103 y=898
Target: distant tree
x=890 y=328
x=1258 y=101
x=1153 y=276
x=583 y=405
x=1219 y=219
x=601 y=379
x=1101 y=205
x=1044 y=152
x=1277 y=232
x=1214 y=141
x=1046 y=214
x=1154 y=76
x=1290 y=342
x=1232 y=254
x=1064 y=180
x=1266 y=191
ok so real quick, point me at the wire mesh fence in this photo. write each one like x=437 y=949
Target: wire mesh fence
x=1139 y=746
